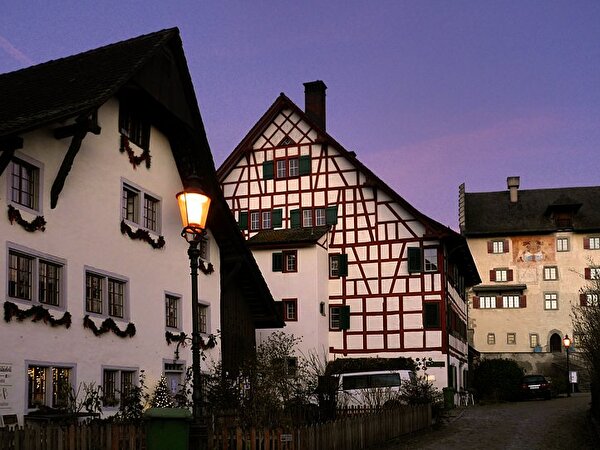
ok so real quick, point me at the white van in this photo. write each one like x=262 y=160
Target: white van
x=373 y=388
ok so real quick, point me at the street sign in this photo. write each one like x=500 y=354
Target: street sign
x=572 y=376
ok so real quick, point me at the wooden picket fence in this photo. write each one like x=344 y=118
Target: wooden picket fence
x=351 y=432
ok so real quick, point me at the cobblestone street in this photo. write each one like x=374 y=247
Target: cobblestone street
x=559 y=423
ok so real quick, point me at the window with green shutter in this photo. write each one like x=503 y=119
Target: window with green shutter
x=343 y=265
x=331 y=215
x=268 y=170
x=431 y=315
x=276 y=218
x=277 y=262
x=415 y=262
x=304 y=165
x=295 y=218
x=344 y=318
x=243 y=220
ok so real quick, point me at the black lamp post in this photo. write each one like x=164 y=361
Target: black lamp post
x=193 y=206
x=567 y=344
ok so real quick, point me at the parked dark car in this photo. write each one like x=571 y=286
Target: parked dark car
x=536 y=386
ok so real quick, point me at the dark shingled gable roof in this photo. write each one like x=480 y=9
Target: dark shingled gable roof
x=492 y=213
x=295 y=236
x=65 y=87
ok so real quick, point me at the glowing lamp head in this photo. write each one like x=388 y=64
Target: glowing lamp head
x=567 y=341
x=193 y=207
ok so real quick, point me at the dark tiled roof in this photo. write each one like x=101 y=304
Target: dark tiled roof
x=69 y=86
x=492 y=213
x=293 y=236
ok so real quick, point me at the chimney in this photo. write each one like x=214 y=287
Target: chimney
x=513 y=188
x=314 y=102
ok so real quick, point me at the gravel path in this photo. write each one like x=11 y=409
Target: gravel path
x=559 y=423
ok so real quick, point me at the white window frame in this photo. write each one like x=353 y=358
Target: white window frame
x=36 y=257
x=335 y=318
x=254 y=220
x=176 y=298
x=511 y=338
x=430 y=259
x=140 y=220
x=592 y=300
x=281 y=168
x=562 y=244
x=334 y=266
x=511 y=301
x=293 y=167
x=266 y=220
x=594 y=273
x=307 y=218
x=534 y=340
x=501 y=275
x=38 y=194
x=105 y=276
x=119 y=382
x=320 y=217
x=487 y=302
x=49 y=385
x=594 y=243
x=550 y=301
x=497 y=246
x=491 y=338
x=550 y=273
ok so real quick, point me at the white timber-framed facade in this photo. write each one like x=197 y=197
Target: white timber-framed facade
x=374 y=277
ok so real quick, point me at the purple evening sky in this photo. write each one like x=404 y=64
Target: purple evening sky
x=429 y=94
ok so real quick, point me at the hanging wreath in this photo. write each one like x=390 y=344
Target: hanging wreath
x=133 y=159
x=181 y=338
x=109 y=325
x=142 y=235
x=37 y=313
x=14 y=215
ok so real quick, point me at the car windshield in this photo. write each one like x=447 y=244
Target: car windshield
x=534 y=379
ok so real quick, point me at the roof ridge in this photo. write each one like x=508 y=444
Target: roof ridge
x=167 y=32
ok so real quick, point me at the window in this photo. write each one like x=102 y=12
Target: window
x=266 y=220
x=562 y=244
x=338 y=265
x=290 y=261
x=594 y=273
x=105 y=295
x=550 y=273
x=430 y=256
x=511 y=338
x=260 y=219
x=286 y=367
x=491 y=338
x=589 y=300
x=287 y=167
x=134 y=126
x=117 y=385
x=593 y=243
x=500 y=275
x=25 y=183
x=498 y=246
x=534 y=340
x=510 y=301
x=339 y=318
x=140 y=208
x=172 y=305
x=281 y=168
x=174 y=374
x=254 y=220
x=550 y=300
x=203 y=318
x=320 y=217
x=431 y=315
x=290 y=310
x=35 y=278
x=487 y=302
x=293 y=167
x=415 y=261
x=307 y=218
x=48 y=386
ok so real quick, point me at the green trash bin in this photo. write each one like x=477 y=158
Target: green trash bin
x=167 y=428
x=448 y=397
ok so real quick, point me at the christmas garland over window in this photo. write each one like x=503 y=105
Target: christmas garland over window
x=142 y=235
x=14 y=215
x=109 y=325
x=133 y=159
x=182 y=337
x=37 y=313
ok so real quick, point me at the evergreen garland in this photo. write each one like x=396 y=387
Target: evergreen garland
x=134 y=160
x=108 y=325
x=14 y=215
x=206 y=270
x=180 y=338
x=142 y=235
x=37 y=312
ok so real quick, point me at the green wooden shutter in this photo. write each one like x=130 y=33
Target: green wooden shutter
x=243 y=220
x=331 y=215
x=276 y=218
x=344 y=318
x=295 y=218
x=343 y=265
x=277 y=262
x=268 y=170
x=304 y=165
x=415 y=262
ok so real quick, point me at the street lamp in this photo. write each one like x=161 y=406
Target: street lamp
x=193 y=206
x=567 y=344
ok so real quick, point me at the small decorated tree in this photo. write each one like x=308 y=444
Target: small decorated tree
x=161 y=397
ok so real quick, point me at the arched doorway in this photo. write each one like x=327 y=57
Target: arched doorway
x=556 y=343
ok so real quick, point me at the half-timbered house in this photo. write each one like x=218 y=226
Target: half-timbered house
x=360 y=272
x=94 y=273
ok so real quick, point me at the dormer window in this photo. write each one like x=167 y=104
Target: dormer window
x=134 y=126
